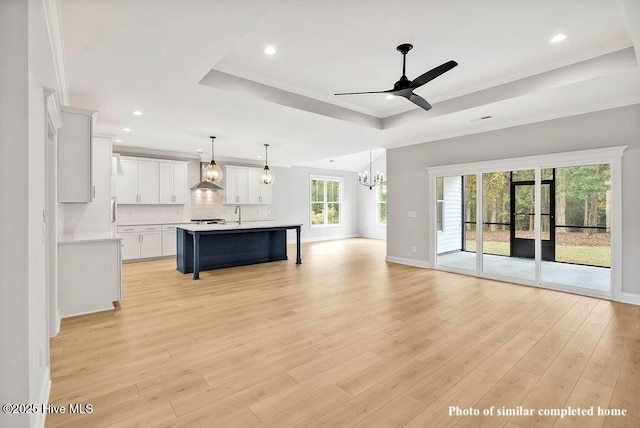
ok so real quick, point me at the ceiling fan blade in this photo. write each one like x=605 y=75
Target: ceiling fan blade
x=432 y=74
x=419 y=101
x=359 y=93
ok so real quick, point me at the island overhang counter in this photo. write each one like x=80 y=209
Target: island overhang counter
x=215 y=246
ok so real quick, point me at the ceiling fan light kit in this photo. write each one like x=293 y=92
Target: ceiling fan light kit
x=405 y=87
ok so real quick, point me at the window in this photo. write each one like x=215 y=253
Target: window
x=326 y=196
x=382 y=203
x=439 y=203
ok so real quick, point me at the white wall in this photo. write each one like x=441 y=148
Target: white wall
x=407 y=170
x=14 y=187
x=369 y=226
x=450 y=238
x=27 y=67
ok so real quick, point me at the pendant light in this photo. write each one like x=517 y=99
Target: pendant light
x=212 y=172
x=266 y=177
x=368 y=180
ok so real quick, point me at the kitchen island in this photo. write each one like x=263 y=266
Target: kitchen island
x=215 y=246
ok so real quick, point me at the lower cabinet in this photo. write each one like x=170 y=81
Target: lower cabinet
x=169 y=240
x=89 y=276
x=140 y=242
x=147 y=241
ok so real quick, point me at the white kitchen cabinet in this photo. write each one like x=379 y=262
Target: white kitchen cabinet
x=140 y=242
x=114 y=176
x=148 y=182
x=169 y=240
x=142 y=181
x=253 y=186
x=75 y=175
x=130 y=246
x=127 y=181
x=244 y=186
x=89 y=275
x=236 y=187
x=172 y=180
x=137 y=181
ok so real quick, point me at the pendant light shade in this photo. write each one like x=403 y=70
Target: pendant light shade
x=212 y=172
x=266 y=176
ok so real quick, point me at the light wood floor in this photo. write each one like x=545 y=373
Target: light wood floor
x=344 y=339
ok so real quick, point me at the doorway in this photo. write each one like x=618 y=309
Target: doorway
x=522 y=239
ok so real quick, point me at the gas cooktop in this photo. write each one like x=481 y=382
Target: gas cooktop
x=209 y=221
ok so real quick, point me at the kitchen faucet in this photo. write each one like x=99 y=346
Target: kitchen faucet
x=239 y=212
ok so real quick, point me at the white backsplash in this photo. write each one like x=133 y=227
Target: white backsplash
x=210 y=204
x=152 y=213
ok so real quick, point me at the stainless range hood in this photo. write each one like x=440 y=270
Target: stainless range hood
x=205 y=185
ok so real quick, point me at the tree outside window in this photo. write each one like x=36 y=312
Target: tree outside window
x=382 y=203
x=325 y=201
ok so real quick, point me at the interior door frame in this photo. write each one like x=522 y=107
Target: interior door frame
x=53 y=122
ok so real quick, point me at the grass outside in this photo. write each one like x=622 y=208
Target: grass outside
x=596 y=256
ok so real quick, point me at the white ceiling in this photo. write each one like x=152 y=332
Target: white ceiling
x=154 y=55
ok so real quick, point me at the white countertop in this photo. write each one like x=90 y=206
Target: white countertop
x=88 y=237
x=186 y=222
x=153 y=223
x=235 y=226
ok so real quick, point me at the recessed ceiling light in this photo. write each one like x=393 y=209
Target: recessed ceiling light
x=389 y=97
x=117 y=141
x=126 y=129
x=558 y=38
x=138 y=113
x=199 y=150
x=270 y=50
x=259 y=157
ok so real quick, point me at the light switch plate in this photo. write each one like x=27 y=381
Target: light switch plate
x=411 y=213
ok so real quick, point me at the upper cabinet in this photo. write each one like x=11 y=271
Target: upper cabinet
x=236 y=187
x=148 y=181
x=75 y=153
x=257 y=192
x=173 y=183
x=243 y=186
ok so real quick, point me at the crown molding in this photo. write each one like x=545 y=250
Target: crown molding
x=54 y=29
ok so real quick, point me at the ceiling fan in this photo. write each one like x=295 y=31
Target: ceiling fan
x=405 y=87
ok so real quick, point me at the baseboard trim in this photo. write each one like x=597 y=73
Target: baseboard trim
x=632 y=298
x=90 y=312
x=409 y=262
x=45 y=391
x=324 y=238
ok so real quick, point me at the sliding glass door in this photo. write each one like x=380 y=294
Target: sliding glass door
x=541 y=225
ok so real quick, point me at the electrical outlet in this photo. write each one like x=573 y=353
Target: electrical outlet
x=414 y=249
x=411 y=214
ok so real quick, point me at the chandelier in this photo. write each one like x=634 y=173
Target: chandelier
x=368 y=179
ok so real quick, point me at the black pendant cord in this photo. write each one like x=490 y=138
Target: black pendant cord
x=213 y=157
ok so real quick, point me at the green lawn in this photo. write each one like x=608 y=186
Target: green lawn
x=597 y=256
